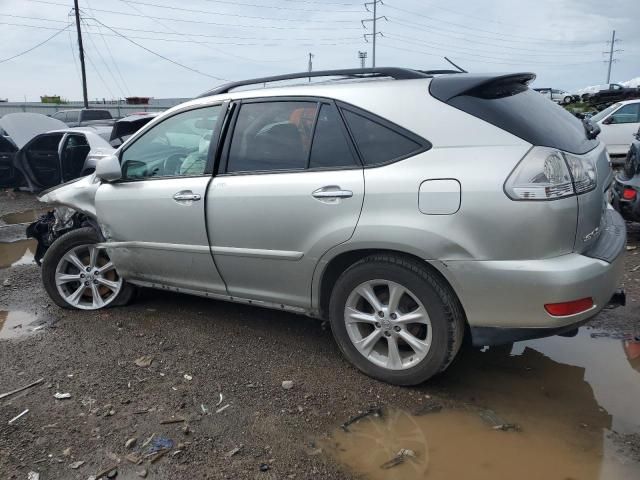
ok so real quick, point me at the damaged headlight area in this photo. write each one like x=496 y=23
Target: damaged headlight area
x=52 y=225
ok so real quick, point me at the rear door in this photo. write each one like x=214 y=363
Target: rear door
x=154 y=218
x=290 y=188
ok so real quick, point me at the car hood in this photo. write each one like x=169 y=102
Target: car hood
x=22 y=127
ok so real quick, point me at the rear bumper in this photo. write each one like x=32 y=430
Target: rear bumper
x=501 y=296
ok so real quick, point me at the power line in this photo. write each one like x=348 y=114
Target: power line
x=104 y=62
x=439 y=55
x=464 y=37
x=280 y=41
x=279 y=7
x=110 y=53
x=228 y=25
x=288 y=40
x=160 y=55
x=35 y=46
x=466 y=27
x=474 y=50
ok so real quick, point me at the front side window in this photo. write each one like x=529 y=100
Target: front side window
x=627 y=114
x=377 y=143
x=272 y=136
x=178 y=146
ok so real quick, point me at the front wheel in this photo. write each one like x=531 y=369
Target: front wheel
x=78 y=275
x=396 y=320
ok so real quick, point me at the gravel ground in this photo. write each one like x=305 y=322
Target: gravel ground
x=199 y=349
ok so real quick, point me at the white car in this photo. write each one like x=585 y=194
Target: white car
x=558 y=96
x=618 y=124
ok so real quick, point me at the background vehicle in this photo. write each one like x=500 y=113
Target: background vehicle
x=608 y=93
x=303 y=199
x=83 y=117
x=16 y=130
x=127 y=126
x=558 y=96
x=626 y=192
x=618 y=123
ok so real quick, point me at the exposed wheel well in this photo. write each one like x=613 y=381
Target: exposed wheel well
x=343 y=261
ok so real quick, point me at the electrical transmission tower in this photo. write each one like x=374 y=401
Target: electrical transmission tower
x=374 y=20
x=363 y=58
x=612 y=50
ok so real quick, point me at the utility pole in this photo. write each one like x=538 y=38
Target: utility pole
x=363 y=58
x=612 y=50
x=374 y=19
x=310 y=64
x=84 y=73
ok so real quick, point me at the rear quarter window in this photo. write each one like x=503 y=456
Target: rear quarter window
x=378 y=141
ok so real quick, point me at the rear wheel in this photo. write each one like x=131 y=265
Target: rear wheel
x=395 y=320
x=77 y=274
x=567 y=100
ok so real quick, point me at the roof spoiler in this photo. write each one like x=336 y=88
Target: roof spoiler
x=446 y=87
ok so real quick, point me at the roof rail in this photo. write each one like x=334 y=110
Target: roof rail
x=393 y=72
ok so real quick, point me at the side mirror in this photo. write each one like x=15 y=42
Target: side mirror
x=608 y=121
x=108 y=169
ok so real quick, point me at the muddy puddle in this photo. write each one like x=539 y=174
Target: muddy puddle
x=17 y=253
x=27 y=216
x=15 y=324
x=559 y=398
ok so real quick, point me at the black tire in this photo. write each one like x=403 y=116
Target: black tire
x=567 y=100
x=444 y=309
x=68 y=241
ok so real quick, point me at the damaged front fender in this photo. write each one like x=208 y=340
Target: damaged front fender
x=78 y=194
x=74 y=204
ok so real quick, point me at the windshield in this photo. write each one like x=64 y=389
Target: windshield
x=599 y=116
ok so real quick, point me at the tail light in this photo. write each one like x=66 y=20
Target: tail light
x=549 y=174
x=628 y=194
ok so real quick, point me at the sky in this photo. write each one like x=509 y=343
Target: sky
x=169 y=49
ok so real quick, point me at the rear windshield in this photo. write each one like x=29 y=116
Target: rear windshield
x=96 y=115
x=528 y=115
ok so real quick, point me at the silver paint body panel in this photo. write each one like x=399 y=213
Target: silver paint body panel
x=264 y=239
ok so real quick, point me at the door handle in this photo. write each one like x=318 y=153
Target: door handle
x=186 y=196
x=332 y=191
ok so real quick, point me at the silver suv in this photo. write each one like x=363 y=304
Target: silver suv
x=412 y=210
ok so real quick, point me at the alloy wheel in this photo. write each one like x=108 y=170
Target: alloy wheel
x=387 y=324
x=86 y=278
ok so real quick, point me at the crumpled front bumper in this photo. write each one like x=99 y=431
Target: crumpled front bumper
x=504 y=300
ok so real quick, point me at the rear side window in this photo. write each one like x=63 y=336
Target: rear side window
x=272 y=136
x=378 y=143
x=330 y=147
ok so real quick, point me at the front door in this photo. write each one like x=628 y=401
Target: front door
x=618 y=134
x=290 y=188
x=154 y=218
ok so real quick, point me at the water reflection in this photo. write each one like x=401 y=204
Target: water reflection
x=15 y=324
x=17 y=253
x=22 y=217
x=566 y=394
